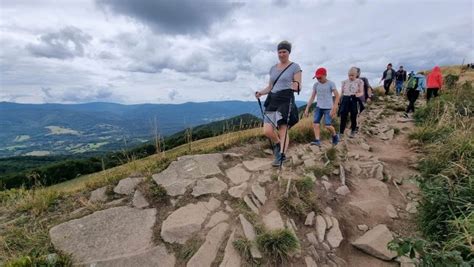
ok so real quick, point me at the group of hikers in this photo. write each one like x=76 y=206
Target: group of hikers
x=281 y=112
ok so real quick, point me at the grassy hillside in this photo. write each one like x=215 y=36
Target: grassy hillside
x=48 y=170
x=445 y=133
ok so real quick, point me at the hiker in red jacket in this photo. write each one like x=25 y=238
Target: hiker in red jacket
x=434 y=83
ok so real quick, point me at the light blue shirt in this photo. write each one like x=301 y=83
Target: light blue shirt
x=324 y=94
x=421 y=82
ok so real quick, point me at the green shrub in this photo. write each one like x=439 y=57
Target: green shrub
x=445 y=215
x=278 y=245
x=51 y=260
x=243 y=246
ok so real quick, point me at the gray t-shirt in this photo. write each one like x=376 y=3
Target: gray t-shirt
x=324 y=94
x=286 y=79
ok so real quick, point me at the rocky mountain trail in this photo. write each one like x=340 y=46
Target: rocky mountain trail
x=345 y=204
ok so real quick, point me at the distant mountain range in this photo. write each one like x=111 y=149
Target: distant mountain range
x=63 y=129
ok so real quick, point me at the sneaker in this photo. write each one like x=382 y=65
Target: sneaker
x=276 y=149
x=352 y=135
x=280 y=157
x=335 y=139
x=405 y=115
x=316 y=142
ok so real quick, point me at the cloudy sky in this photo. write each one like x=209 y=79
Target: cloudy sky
x=174 y=51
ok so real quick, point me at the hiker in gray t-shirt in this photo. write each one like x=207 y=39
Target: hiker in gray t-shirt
x=285 y=79
x=325 y=106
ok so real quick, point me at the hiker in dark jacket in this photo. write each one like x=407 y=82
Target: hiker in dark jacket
x=285 y=79
x=388 y=77
x=367 y=97
x=400 y=78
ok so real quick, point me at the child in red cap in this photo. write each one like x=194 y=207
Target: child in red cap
x=325 y=105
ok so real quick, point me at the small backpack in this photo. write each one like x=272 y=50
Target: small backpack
x=412 y=83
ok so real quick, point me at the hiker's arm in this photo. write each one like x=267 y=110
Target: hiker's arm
x=296 y=85
x=360 y=91
x=310 y=103
x=335 y=106
x=264 y=91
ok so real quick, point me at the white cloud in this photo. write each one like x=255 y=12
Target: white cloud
x=122 y=54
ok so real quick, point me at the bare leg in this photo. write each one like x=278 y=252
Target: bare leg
x=281 y=132
x=331 y=129
x=316 y=131
x=269 y=132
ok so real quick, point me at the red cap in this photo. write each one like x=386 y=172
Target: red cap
x=320 y=72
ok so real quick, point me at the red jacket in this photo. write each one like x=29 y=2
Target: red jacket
x=434 y=79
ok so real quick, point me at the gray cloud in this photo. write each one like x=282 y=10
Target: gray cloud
x=175 y=17
x=67 y=43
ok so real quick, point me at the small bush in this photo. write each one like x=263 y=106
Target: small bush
x=304 y=185
x=243 y=246
x=278 y=245
x=51 y=260
x=37 y=201
x=331 y=153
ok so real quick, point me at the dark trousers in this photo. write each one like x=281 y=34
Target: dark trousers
x=386 y=85
x=431 y=92
x=348 y=105
x=412 y=96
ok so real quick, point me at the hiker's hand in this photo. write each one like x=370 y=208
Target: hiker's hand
x=333 y=113
x=258 y=94
x=306 y=113
x=369 y=99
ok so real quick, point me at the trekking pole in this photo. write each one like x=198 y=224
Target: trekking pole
x=263 y=120
x=284 y=147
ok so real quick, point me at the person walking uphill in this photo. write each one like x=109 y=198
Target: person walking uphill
x=414 y=87
x=351 y=90
x=285 y=79
x=325 y=106
x=387 y=78
x=400 y=78
x=434 y=83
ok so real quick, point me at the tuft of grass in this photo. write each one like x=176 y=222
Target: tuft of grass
x=278 y=245
x=186 y=251
x=50 y=260
x=331 y=153
x=243 y=246
x=304 y=185
x=37 y=201
x=294 y=207
x=320 y=171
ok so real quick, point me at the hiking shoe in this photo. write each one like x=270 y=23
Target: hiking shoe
x=280 y=157
x=276 y=149
x=405 y=115
x=316 y=142
x=335 y=139
x=353 y=134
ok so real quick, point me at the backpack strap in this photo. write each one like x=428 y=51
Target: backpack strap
x=278 y=77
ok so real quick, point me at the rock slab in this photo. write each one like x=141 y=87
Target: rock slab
x=208 y=251
x=273 y=221
x=106 y=234
x=127 y=186
x=139 y=200
x=186 y=171
x=157 y=256
x=185 y=221
x=334 y=236
x=231 y=255
x=209 y=186
x=238 y=174
x=374 y=242
x=249 y=233
x=99 y=195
